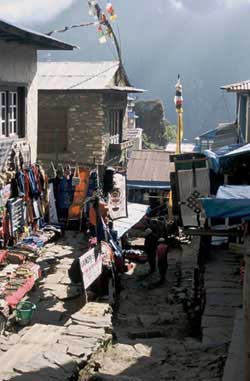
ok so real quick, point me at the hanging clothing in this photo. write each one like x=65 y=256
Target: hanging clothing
x=108 y=181
x=53 y=217
x=80 y=193
x=34 y=191
x=20 y=181
x=64 y=192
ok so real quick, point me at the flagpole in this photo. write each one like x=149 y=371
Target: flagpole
x=179 y=110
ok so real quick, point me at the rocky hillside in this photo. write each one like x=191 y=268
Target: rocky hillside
x=152 y=121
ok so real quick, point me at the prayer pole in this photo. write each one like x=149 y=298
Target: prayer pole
x=179 y=109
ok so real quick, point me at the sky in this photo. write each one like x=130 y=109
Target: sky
x=206 y=41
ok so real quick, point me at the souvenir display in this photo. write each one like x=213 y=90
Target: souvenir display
x=23 y=233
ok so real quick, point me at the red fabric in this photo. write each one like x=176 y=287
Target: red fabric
x=26 y=185
x=3 y=255
x=162 y=251
x=17 y=296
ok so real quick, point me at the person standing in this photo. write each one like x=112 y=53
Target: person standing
x=162 y=258
x=150 y=248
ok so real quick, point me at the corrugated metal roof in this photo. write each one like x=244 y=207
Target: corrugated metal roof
x=13 y=33
x=235 y=87
x=82 y=76
x=152 y=166
x=224 y=134
x=76 y=75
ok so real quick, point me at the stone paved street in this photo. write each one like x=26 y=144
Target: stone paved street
x=149 y=336
x=64 y=332
x=152 y=335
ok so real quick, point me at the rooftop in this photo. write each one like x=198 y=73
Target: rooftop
x=185 y=147
x=106 y=75
x=149 y=166
x=13 y=33
x=224 y=134
x=243 y=86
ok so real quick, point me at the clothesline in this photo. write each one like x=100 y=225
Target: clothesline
x=66 y=28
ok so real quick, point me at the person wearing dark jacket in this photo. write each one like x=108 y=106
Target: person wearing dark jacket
x=150 y=245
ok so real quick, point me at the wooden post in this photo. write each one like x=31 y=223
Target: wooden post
x=246 y=310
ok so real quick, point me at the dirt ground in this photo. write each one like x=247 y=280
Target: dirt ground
x=152 y=336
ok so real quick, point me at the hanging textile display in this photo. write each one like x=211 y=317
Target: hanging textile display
x=94 y=9
x=193 y=184
x=53 y=218
x=117 y=200
x=80 y=193
x=16 y=213
x=110 y=10
x=108 y=181
x=101 y=35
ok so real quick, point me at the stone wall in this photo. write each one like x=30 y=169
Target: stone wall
x=18 y=65
x=86 y=124
x=114 y=101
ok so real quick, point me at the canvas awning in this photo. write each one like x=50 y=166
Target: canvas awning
x=135 y=213
x=226 y=208
x=231 y=201
x=239 y=151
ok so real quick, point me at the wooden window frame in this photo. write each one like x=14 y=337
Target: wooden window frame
x=15 y=111
x=116 y=125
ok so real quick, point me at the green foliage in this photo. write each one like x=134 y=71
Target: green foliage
x=147 y=144
x=169 y=134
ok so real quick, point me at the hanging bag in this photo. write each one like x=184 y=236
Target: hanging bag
x=76 y=177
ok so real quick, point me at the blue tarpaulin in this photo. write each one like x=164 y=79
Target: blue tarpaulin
x=239 y=151
x=226 y=208
x=231 y=201
x=218 y=158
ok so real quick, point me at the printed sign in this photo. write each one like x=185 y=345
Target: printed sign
x=118 y=198
x=107 y=254
x=91 y=266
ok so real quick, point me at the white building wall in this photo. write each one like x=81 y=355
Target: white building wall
x=18 y=64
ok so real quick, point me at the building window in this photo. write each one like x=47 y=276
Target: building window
x=115 y=126
x=3 y=113
x=13 y=108
x=12 y=112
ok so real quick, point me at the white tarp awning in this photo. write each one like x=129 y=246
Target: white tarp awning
x=135 y=214
x=234 y=192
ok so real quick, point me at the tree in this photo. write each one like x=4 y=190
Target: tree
x=169 y=134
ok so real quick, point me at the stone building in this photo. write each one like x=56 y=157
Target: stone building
x=133 y=133
x=18 y=86
x=82 y=113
